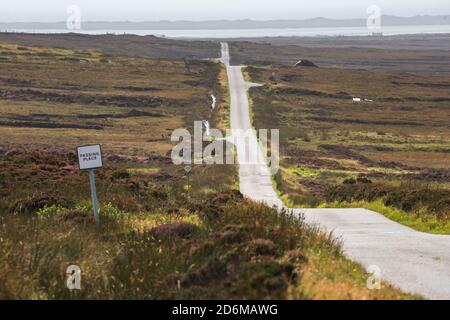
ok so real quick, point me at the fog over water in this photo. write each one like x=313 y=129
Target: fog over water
x=256 y=33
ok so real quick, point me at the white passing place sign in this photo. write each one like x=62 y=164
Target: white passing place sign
x=90 y=157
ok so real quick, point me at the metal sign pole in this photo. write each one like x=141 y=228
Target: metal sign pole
x=94 y=196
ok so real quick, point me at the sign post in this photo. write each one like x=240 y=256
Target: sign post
x=94 y=196
x=90 y=158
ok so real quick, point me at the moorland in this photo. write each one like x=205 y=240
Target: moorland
x=388 y=150
x=166 y=231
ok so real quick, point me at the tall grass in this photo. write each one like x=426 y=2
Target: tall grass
x=239 y=250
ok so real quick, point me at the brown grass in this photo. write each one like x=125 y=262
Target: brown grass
x=401 y=135
x=238 y=249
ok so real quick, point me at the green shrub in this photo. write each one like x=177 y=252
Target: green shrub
x=49 y=211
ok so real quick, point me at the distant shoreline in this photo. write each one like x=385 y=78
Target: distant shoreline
x=325 y=32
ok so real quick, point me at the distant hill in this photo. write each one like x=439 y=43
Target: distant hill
x=231 y=24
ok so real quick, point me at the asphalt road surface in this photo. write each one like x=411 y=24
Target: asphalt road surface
x=413 y=261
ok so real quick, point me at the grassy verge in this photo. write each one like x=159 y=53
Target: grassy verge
x=225 y=105
x=336 y=151
x=229 y=249
x=419 y=217
x=246 y=74
x=420 y=222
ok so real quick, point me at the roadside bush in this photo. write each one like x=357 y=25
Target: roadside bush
x=35 y=203
x=262 y=247
x=182 y=230
x=414 y=198
x=120 y=174
x=441 y=208
x=409 y=197
x=353 y=191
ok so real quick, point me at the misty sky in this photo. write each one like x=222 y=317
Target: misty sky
x=150 y=10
